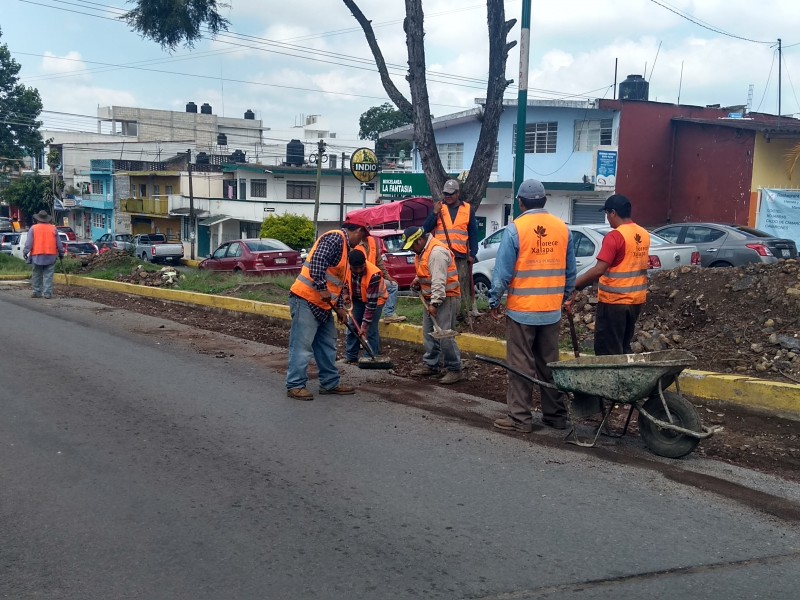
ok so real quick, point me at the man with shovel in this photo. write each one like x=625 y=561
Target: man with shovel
x=437 y=282
x=368 y=293
x=536 y=264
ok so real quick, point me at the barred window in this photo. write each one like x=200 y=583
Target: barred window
x=97 y=186
x=452 y=156
x=98 y=220
x=300 y=190
x=495 y=162
x=540 y=138
x=258 y=188
x=590 y=134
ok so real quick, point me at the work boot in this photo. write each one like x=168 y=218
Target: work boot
x=340 y=390
x=300 y=394
x=508 y=424
x=393 y=319
x=452 y=377
x=347 y=361
x=424 y=372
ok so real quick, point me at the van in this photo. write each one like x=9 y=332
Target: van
x=19 y=245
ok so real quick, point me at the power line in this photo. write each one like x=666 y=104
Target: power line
x=790 y=83
x=702 y=24
x=766 y=86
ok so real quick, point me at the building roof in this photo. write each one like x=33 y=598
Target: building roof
x=773 y=129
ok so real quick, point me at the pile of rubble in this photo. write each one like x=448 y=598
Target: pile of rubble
x=165 y=277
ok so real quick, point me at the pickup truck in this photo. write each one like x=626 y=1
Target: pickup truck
x=154 y=248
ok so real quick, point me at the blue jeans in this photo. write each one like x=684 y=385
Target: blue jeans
x=388 y=308
x=352 y=347
x=308 y=337
x=445 y=351
x=42 y=279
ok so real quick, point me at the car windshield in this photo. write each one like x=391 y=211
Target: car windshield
x=393 y=243
x=125 y=237
x=266 y=245
x=655 y=240
x=80 y=248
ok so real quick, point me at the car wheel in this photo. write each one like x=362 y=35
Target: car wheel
x=482 y=287
x=144 y=257
x=720 y=264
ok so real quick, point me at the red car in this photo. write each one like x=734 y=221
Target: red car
x=254 y=257
x=399 y=262
x=68 y=230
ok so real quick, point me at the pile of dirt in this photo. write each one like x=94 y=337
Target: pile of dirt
x=164 y=277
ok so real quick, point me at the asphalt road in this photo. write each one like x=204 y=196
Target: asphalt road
x=143 y=460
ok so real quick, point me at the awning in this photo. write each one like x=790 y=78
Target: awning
x=184 y=212
x=214 y=220
x=400 y=214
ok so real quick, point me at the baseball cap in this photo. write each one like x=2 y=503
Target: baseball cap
x=617 y=203
x=450 y=186
x=357 y=221
x=411 y=235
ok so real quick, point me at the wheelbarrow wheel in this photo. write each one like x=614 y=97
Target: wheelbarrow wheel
x=663 y=442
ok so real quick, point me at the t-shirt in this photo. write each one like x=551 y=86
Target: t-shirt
x=613 y=249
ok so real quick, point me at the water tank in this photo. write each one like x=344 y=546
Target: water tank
x=249 y=114
x=202 y=158
x=191 y=107
x=222 y=139
x=237 y=156
x=634 y=88
x=295 y=153
x=206 y=108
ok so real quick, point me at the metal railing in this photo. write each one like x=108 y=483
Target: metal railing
x=158 y=205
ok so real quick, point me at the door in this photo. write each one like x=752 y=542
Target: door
x=216 y=260
x=585 y=251
x=203 y=241
x=709 y=242
x=585 y=212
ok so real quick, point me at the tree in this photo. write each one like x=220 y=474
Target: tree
x=171 y=22
x=293 y=230
x=20 y=107
x=382 y=118
x=31 y=193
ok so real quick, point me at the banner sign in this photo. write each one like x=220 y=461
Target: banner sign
x=606 y=168
x=779 y=213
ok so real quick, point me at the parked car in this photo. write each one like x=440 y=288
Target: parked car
x=587 y=240
x=115 y=241
x=67 y=230
x=153 y=247
x=6 y=225
x=7 y=241
x=254 y=257
x=487 y=247
x=399 y=263
x=82 y=250
x=729 y=245
x=18 y=245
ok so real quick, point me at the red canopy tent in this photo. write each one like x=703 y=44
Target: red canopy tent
x=396 y=215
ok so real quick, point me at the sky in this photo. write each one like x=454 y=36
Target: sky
x=285 y=60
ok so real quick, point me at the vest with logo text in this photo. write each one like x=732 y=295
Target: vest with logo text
x=626 y=283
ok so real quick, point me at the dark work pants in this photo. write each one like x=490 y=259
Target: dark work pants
x=614 y=324
x=529 y=348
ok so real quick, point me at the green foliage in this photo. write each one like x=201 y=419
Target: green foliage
x=293 y=230
x=174 y=22
x=31 y=193
x=11 y=265
x=20 y=107
x=382 y=118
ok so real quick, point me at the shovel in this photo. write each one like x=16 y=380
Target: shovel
x=373 y=362
x=63 y=270
x=583 y=405
x=438 y=333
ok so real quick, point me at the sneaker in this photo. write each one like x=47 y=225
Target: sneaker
x=508 y=424
x=340 y=390
x=424 y=372
x=452 y=377
x=393 y=319
x=300 y=394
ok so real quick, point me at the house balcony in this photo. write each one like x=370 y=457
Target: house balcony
x=100 y=201
x=157 y=205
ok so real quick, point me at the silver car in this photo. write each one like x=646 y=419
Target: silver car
x=729 y=245
x=115 y=241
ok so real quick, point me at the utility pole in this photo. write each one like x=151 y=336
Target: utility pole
x=320 y=158
x=341 y=196
x=780 y=60
x=192 y=233
x=522 y=102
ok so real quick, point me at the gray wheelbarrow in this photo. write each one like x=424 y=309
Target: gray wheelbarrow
x=668 y=423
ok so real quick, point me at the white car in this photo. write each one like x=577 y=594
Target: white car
x=18 y=246
x=586 y=240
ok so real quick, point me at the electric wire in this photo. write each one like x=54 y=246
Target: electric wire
x=704 y=25
x=789 y=77
x=769 y=77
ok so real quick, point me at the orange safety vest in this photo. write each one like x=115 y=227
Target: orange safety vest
x=457 y=231
x=626 y=283
x=335 y=276
x=424 y=275
x=44 y=239
x=366 y=277
x=370 y=248
x=540 y=273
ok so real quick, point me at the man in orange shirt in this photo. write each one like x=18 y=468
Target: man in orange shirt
x=622 y=270
x=42 y=247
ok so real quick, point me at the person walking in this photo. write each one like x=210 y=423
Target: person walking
x=15 y=225
x=622 y=273
x=536 y=264
x=317 y=291
x=370 y=249
x=457 y=228
x=368 y=294
x=42 y=247
x=437 y=280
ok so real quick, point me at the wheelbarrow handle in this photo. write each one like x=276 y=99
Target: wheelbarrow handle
x=500 y=363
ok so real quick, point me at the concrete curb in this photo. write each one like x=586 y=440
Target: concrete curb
x=14 y=277
x=747 y=391
x=187 y=262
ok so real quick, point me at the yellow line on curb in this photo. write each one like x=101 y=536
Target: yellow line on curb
x=748 y=391
x=19 y=277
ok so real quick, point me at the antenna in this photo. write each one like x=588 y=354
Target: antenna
x=654 y=63
x=680 y=85
x=749 y=98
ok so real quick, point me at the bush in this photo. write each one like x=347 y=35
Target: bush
x=293 y=230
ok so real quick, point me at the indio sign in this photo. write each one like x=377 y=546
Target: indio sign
x=364 y=165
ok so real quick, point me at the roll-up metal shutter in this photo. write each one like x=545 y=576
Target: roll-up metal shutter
x=585 y=212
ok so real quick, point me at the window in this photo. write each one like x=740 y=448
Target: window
x=590 y=134
x=97 y=186
x=584 y=247
x=156 y=189
x=220 y=252
x=540 y=138
x=143 y=190
x=234 y=251
x=258 y=188
x=495 y=163
x=300 y=190
x=702 y=235
x=98 y=220
x=242 y=189
x=670 y=233
x=168 y=190
x=452 y=156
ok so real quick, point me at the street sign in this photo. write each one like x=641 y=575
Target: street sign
x=364 y=165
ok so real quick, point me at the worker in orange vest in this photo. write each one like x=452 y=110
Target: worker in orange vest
x=457 y=228
x=536 y=265
x=369 y=295
x=42 y=247
x=318 y=290
x=622 y=272
x=371 y=250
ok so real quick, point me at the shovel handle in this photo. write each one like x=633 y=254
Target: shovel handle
x=573 y=334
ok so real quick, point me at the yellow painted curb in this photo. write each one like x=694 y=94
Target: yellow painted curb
x=188 y=262
x=748 y=391
x=19 y=277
